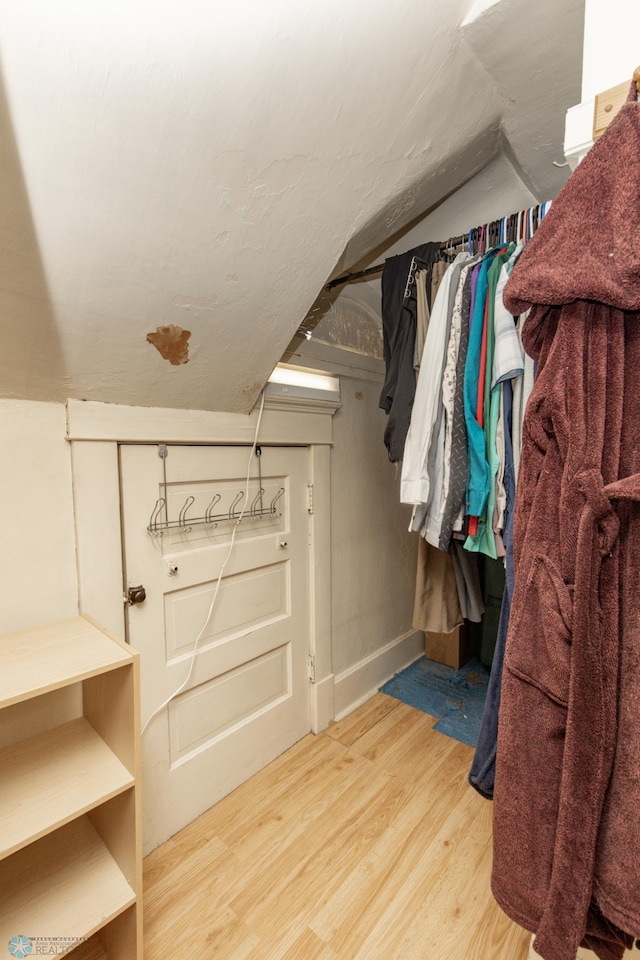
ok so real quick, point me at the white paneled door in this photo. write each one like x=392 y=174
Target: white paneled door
x=247 y=699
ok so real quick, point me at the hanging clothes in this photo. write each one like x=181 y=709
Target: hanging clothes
x=567 y=786
x=437 y=604
x=508 y=370
x=422 y=316
x=522 y=388
x=399 y=335
x=451 y=396
x=429 y=522
x=468 y=583
x=454 y=494
x=422 y=435
x=483 y=539
x=465 y=349
x=478 y=480
x=483 y=769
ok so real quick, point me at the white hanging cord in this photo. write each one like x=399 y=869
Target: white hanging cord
x=219 y=580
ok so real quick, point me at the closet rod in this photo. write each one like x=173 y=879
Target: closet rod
x=379 y=267
x=493 y=235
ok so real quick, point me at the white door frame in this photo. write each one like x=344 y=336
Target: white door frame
x=95 y=431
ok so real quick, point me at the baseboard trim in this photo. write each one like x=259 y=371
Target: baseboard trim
x=363 y=679
x=322 y=709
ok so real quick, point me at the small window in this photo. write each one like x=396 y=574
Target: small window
x=287 y=381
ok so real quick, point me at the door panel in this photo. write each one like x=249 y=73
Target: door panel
x=247 y=698
x=208 y=712
x=245 y=601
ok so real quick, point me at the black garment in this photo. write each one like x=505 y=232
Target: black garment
x=399 y=335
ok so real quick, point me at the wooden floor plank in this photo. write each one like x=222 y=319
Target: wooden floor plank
x=306 y=946
x=410 y=890
x=496 y=936
x=282 y=818
x=365 y=846
x=198 y=873
x=205 y=931
x=276 y=779
x=338 y=835
x=351 y=728
x=285 y=841
x=174 y=854
x=448 y=917
x=417 y=753
x=298 y=901
x=386 y=738
x=355 y=905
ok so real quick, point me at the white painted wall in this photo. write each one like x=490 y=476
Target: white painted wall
x=373 y=555
x=610 y=58
x=611 y=49
x=37 y=546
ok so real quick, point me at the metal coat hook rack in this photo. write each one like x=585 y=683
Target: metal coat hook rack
x=233 y=515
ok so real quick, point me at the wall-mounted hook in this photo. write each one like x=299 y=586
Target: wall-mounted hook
x=232 y=509
x=208 y=516
x=153 y=528
x=274 y=502
x=256 y=504
x=182 y=519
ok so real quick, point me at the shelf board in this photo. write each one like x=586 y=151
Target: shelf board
x=52 y=778
x=64 y=885
x=91 y=949
x=53 y=656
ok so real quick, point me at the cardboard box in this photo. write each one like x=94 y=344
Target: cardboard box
x=453 y=649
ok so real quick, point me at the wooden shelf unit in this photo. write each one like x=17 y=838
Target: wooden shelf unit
x=70 y=818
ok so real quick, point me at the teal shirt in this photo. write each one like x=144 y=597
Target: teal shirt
x=478 y=479
x=484 y=541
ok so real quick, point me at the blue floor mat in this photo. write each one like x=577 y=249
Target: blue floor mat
x=455 y=696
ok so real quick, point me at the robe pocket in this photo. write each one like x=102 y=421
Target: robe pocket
x=539 y=648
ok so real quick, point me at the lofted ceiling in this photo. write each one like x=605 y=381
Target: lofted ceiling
x=179 y=180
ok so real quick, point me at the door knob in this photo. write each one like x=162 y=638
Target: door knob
x=135 y=595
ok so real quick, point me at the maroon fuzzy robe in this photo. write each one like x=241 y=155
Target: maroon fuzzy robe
x=567 y=791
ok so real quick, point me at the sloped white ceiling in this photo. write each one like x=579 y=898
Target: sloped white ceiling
x=201 y=167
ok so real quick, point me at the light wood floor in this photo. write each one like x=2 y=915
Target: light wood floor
x=363 y=843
